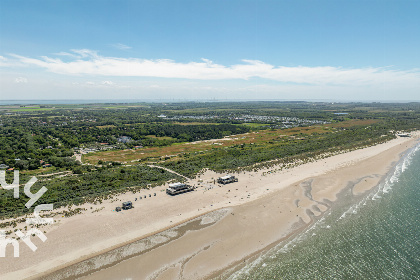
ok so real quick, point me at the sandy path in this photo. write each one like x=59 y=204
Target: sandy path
x=169 y=170
x=56 y=173
x=78 y=157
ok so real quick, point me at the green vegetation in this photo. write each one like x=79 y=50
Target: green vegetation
x=300 y=146
x=46 y=141
x=93 y=186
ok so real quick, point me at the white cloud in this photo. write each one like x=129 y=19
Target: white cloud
x=72 y=55
x=96 y=84
x=90 y=63
x=85 y=53
x=21 y=80
x=7 y=62
x=108 y=83
x=121 y=46
x=3 y=61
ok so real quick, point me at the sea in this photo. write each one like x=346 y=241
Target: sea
x=373 y=236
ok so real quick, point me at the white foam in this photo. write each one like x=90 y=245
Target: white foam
x=383 y=188
x=393 y=178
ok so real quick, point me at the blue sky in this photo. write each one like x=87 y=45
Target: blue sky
x=304 y=50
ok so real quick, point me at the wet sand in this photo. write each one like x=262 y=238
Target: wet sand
x=258 y=211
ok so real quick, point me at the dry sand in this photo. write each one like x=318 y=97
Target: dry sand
x=258 y=211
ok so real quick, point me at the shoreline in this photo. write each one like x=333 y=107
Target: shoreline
x=288 y=191
x=357 y=198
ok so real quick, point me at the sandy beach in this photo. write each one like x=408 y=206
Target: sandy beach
x=198 y=235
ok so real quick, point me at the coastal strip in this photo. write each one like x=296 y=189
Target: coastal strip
x=265 y=208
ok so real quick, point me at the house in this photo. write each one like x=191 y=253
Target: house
x=124 y=139
x=47 y=165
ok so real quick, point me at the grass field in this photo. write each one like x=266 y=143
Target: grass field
x=106 y=126
x=196 y=123
x=30 y=108
x=351 y=123
x=173 y=151
x=256 y=125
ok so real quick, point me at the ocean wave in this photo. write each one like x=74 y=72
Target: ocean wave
x=399 y=169
x=387 y=185
x=286 y=246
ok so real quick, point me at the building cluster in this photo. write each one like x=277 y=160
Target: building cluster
x=271 y=121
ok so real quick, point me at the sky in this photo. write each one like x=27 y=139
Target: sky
x=210 y=50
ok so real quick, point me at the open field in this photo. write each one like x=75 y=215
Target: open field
x=351 y=123
x=160 y=137
x=195 y=123
x=51 y=107
x=260 y=137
